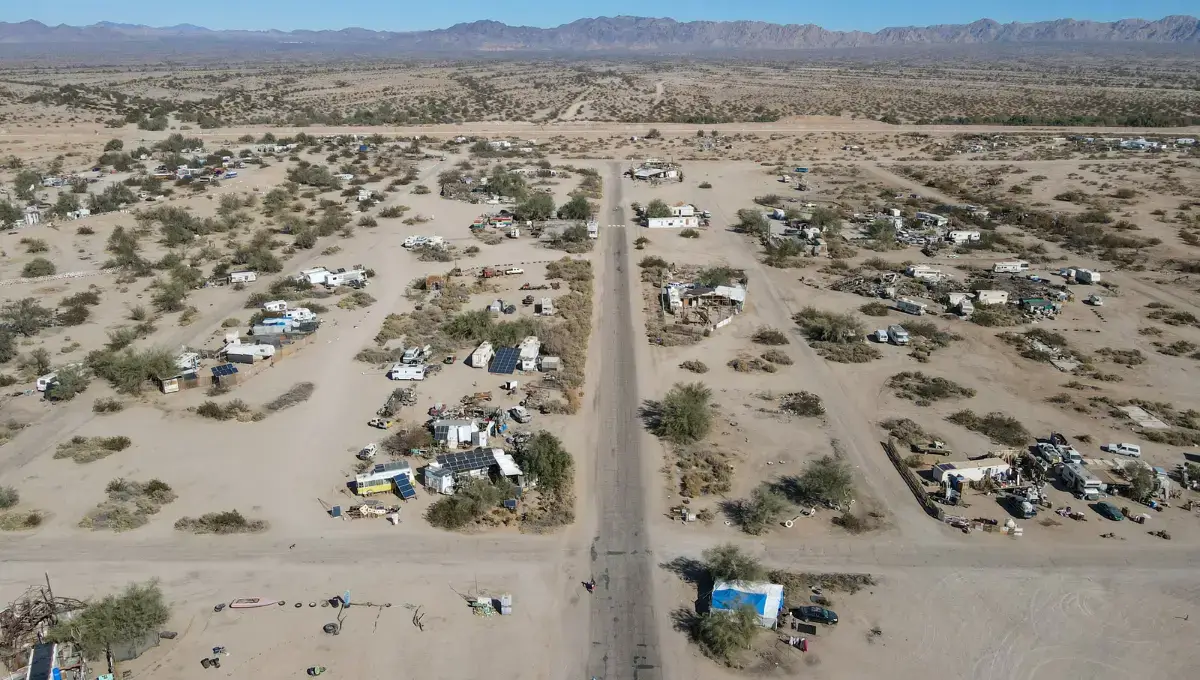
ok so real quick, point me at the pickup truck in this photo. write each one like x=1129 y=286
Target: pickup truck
x=1131 y=450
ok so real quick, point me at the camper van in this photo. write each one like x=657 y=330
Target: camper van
x=406 y=372
x=897 y=335
x=44 y=382
x=300 y=315
x=910 y=306
x=275 y=306
x=1077 y=478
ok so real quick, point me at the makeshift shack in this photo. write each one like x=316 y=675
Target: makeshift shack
x=766 y=599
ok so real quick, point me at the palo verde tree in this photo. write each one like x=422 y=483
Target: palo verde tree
x=137 y=612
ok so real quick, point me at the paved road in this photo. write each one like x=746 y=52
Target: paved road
x=623 y=629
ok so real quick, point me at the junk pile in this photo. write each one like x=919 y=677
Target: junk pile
x=398 y=399
x=26 y=620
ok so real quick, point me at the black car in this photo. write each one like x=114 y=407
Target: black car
x=818 y=614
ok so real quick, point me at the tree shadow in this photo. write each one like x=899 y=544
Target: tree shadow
x=651 y=414
x=685 y=621
x=688 y=569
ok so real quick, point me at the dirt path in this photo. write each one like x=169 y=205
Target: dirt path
x=624 y=631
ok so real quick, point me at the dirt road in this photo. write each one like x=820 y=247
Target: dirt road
x=624 y=634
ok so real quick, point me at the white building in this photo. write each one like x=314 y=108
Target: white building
x=971 y=470
x=924 y=272
x=683 y=210
x=482 y=355
x=962 y=236
x=244 y=277
x=992 y=297
x=528 y=353
x=316 y=276
x=455 y=433
x=691 y=222
x=1011 y=267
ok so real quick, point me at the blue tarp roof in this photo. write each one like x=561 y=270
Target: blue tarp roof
x=731 y=599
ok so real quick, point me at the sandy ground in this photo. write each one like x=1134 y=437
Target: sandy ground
x=1059 y=602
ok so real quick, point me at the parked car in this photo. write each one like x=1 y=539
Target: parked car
x=1108 y=510
x=818 y=614
x=1131 y=450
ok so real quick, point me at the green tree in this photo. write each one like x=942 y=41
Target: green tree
x=578 y=208
x=25 y=184
x=728 y=563
x=757 y=513
x=169 y=295
x=723 y=635
x=8 y=346
x=69 y=382
x=751 y=221
x=137 y=612
x=825 y=480
x=538 y=207
x=544 y=459
x=657 y=208
x=26 y=317
x=67 y=203
x=684 y=415
x=1142 y=481
x=114 y=145
x=38 y=266
x=10 y=214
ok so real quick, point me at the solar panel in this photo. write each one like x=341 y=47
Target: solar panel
x=466 y=461
x=224 y=370
x=505 y=360
x=405 y=488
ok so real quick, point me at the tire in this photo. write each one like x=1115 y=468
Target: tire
x=204 y=662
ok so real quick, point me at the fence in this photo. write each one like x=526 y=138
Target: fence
x=914 y=483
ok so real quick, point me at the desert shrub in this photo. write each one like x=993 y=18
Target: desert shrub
x=108 y=405
x=137 y=612
x=68 y=383
x=767 y=335
x=689 y=233
x=775 y=356
x=999 y=427
x=684 y=415
x=719 y=275
x=694 y=366
x=393 y=211
x=857 y=353
x=702 y=470
x=757 y=513
x=750 y=364
x=827 y=480
x=470 y=502
x=875 y=309
x=857 y=524
x=829 y=327
x=906 y=431
x=38 y=266
x=724 y=635
x=89 y=449
x=705 y=185
x=34 y=245
x=233 y=409
x=26 y=317
x=653 y=261
x=926 y=389
x=297 y=394
x=996 y=315
x=802 y=404
x=85 y=231
x=21 y=520
x=9 y=497
x=227 y=522
x=129 y=370
x=359 y=298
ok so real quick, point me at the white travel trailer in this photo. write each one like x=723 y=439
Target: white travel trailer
x=243 y=277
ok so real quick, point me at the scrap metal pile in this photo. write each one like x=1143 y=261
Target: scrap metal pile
x=399 y=398
x=26 y=620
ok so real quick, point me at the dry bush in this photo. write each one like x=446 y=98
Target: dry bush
x=297 y=394
x=227 y=522
x=802 y=404
x=906 y=431
x=750 y=364
x=694 y=366
x=926 y=389
x=858 y=353
x=129 y=505
x=875 y=309
x=21 y=520
x=767 y=335
x=999 y=427
x=89 y=449
x=775 y=356
x=108 y=405
x=703 y=470
x=234 y=409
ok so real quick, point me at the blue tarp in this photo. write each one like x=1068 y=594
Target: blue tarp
x=730 y=599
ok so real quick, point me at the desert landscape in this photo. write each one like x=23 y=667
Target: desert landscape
x=818 y=365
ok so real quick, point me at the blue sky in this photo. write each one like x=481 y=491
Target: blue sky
x=867 y=15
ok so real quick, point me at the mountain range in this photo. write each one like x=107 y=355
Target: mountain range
x=602 y=34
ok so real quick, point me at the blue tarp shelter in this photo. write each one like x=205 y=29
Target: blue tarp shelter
x=766 y=599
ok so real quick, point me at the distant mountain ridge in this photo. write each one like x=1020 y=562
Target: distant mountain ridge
x=622 y=33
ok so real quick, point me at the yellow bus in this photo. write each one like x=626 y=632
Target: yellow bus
x=381 y=478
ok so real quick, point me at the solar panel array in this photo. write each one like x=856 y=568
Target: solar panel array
x=477 y=459
x=405 y=488
x=505 y=360
x=224 y=370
